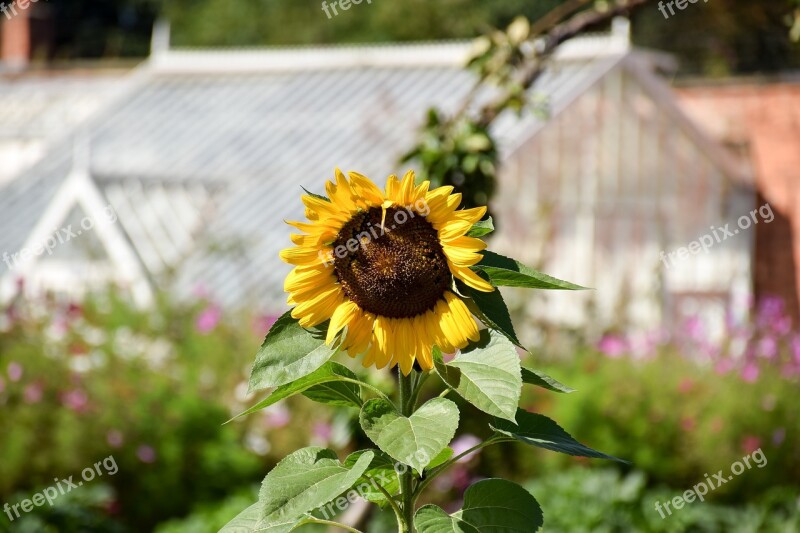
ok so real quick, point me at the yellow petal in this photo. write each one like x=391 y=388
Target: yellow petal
x=470 y=278
x=342 y=317
x=367 y=190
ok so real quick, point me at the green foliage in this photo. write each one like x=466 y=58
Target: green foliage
x=504 y=271
x=305 y=480
x=289 y=352
x=324 y=385
x=490 y=506
x=487 y=374
x=538 y=430
x=677 y=420
x=461 y=154
x=413 y=440
x=534 y=377
x=103 y=379
x=582 y=500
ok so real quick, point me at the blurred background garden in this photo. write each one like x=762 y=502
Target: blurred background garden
x=151 y=150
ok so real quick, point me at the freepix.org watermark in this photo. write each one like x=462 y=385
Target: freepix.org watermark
x=11 y=9
x=61 y=487
x=699 y=491
x=58 y=236
x=360 y=491
x=680 y=4
x=375 y=232
x=717 y=235
x=344 y=5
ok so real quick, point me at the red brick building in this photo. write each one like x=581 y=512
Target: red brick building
x=760 y=123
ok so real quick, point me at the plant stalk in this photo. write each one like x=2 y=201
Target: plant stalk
x=407 y=477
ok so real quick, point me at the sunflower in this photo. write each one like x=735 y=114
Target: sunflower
x=381 y=267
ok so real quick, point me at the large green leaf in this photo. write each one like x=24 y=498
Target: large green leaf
x=289 y=352
x=433 y=519
x=534 y=377
x=486 y=374
x=538 y=430
x=490 y=308
x=305 y=480
x=381 y=471
x=331 y=373
x=504 y=271
x=490 y=506
x=481 y=228
x=248 y=522
x=415 y=440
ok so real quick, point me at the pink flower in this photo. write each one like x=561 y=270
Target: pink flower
x=464 y=443
x=277 y=416
x=723 y=366
x=77 y=400
x=767 y=348
x=114 y=438
x=750 y=372
x=322 y=432
x=33 y=393
x=751 y=443
x=685 y=386
x=612 y=345
x=694 y=328
x=208 y=319
x=14 y=371
x=796 y=349
x=146 y=454
x=688 y=423
x=262 y=323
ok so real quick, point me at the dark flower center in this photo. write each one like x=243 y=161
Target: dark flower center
x=398 y=271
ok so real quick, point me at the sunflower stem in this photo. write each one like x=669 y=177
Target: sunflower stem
x=407 y=477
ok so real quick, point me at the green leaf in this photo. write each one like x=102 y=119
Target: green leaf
x=248 y=522
x=490 y=308
x=413 y=440
x=433 y=519
x=319 y=385
x=486 y=374
x=305 y=480
x=490 y=506
x=538 y=430
x=381 y=471
x=504 y=271
x=314 y=195
x=289 y=352
x=534 y=377
x=481 y=228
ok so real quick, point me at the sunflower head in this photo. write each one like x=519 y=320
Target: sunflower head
x=380 y=265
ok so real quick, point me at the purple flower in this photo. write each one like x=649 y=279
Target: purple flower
x=208 y=319
x=612 y=345
x=114 y=438
x=464 y=443
x=146 y=454
x=695 y=328
x=14 y=371
x=767 y=348
x=796 y=348
x=770 y=310
x=33 y=393
x=77 y=400
x=277 y=416
x=750 y=372
x=322 y=432
x=778 y=436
